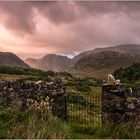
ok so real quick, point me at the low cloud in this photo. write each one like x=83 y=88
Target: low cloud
x=67 y=27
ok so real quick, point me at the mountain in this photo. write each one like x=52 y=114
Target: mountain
x=32 y=62
x=106 y=60
x=50 y=62
x=10 y=59
x=103 y=59
x=126 y=48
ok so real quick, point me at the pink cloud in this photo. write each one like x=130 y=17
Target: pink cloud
x=38 y=28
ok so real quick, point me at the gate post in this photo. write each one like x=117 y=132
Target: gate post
x=59 y=96
x=113 y=103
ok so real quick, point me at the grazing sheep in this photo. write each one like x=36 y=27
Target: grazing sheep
x=111 y=80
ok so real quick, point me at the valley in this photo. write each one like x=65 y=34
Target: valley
x=83 y=78
x=81 y=91
x=69 y=69
x=97 y=63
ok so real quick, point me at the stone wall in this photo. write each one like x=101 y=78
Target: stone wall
x=133 y=104
x=24 y=94
x=120 y=104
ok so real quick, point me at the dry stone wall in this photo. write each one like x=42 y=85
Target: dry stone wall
x=120 y=104
x=24 y=94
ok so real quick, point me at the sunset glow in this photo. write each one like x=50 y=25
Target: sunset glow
x=66 y=27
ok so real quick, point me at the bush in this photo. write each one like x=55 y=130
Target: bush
x=129 y=74
x=65 y=74
x=25 y=71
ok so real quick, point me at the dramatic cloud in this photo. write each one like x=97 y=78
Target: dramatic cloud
x=33 y=29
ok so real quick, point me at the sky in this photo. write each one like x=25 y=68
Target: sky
x=36 y=28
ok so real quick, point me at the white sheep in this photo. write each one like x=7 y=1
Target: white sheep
x=111 y=79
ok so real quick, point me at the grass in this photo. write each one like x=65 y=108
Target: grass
x=91 y=73
x=119 y=131
x=40 y=124
x=31 y=124
x=106 y=131
x=9 y=77
x=81 y=129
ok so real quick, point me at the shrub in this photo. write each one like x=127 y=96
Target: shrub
x=129 y=74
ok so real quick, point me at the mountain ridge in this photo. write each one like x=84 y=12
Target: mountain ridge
x=51 y=61
x=10 y=59
x=125 y=48
x=106 y=59
x=93 y=60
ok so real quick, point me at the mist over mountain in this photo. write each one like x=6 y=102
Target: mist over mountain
x=97 y=59
x=127 y=49
x=10 y=59
x=106 y=60
x=50 y=62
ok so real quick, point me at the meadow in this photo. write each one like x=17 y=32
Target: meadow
x=84 y=111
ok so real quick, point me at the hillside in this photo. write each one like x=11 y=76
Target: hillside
x=50 y=62
x=127 y=48
x=106 y=61
x=32 y=62
x=96 y=59
x=129 y=74
x=10 y=59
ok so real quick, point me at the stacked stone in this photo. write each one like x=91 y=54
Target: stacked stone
x=120 y=104
x=133 y=104
x=59 y=103
x=24 y=94
x=113 y=103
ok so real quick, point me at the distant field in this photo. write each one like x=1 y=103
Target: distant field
x=97 y=74
x=14 y=77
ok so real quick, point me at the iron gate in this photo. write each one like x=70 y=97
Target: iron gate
x=85 y=110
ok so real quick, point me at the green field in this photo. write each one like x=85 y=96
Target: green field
x=84 y=119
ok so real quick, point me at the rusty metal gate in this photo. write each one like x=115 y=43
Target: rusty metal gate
x=85 y=110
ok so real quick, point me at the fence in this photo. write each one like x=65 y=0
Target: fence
x=117 y=103
x=84 y=110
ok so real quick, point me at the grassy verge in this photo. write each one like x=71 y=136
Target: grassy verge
x=31 y=124
x=110 y=131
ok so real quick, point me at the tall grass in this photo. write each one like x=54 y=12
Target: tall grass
x=44 y=125
x=118 y=131
x=106 y=131
x=31 y=124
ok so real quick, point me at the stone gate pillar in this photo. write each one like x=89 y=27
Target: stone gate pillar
x=113 y=103
x=132 y=113
x=59 y=96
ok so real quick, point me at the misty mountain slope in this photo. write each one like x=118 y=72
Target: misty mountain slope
x=99 y=58
x=106 y=60
x=50 y=62
x=10 y=59
x=32 y=62
x=126 y=48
